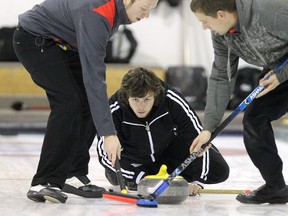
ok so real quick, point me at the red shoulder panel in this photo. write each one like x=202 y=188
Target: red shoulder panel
x=107 y=10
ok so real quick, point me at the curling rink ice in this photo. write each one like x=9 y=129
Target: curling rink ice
x=19 y=156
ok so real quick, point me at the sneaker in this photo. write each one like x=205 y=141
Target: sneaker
x=111 y=177
x=132 y=186
x=81 y=186
x=265 y=194
x=41 y=193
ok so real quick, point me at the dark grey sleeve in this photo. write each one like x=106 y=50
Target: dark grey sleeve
x=92 y=37
x=219 y=87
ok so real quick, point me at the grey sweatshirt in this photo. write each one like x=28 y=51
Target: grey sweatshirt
x=262 y=40
x=86 y=25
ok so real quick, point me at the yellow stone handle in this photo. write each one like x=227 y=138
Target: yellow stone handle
x=162 y=174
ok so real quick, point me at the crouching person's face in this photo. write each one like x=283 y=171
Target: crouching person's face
x=142 y=106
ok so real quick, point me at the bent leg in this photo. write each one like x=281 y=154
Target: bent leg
x=211 y=168
x=259 y=137
x=49 y=67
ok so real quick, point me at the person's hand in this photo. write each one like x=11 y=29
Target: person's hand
x=194 y=189
x=112 y=147
x=269 y=84
x=201 y=139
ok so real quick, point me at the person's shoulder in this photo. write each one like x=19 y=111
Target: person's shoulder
x=170 y=89
x=172 y=96
x=114 y=98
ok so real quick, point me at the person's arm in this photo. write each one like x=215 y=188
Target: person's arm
x=219 y=91
x=276 y=22
x=117 y=115
x=276 y=28
x=93 y=33
x=184 y=117
x=92 y=37
x=220 y=88
x=188 y=126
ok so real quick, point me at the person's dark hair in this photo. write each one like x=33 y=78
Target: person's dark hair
x=211 y=7
x=138 y=82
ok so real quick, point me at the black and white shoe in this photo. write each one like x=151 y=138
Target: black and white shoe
x=132 y=186
x=41 y=193
x=111 y=177
x=265 y=194
x=81 y=186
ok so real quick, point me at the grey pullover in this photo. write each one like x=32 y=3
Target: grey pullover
x=86 y=26
x=261 y=40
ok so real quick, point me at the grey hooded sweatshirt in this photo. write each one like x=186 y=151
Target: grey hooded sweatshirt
x=261 y=39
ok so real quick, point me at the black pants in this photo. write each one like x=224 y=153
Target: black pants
x=216 y=167
x=259 y=137
x=70 y=128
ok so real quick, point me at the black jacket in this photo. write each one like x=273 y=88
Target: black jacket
x=144 y=140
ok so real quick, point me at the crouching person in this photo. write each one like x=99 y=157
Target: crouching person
x=155 y=126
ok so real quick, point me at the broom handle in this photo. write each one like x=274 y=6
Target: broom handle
x=222 y=191
x=120 y=176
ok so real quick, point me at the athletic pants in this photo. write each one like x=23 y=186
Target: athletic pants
x=211 y=168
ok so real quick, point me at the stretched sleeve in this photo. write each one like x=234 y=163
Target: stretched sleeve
x=280 y=31
x=184 y=117
x=220 y=88
x=93 y=32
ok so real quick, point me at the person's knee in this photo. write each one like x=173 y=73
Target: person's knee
x=221 y=170
x=68 y=106
x=225 y=173
x=254 y=118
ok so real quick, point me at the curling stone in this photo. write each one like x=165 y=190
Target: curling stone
x=177 y=192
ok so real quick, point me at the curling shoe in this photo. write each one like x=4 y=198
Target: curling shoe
x=111 y=177
x=81 y=186
x=41 y=193
x=265 y=194
x=132 y=186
